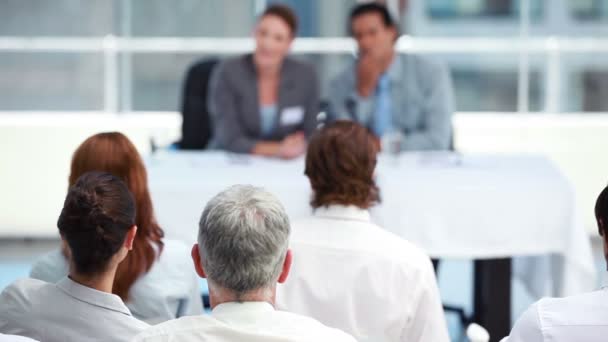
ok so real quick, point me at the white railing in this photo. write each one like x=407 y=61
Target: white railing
x=113 y=48
x=301 y=45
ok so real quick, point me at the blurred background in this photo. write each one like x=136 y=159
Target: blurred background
x=529 y=76
x=70 y=77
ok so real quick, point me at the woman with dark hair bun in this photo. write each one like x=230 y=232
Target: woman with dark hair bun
x=155 y=280
x=266 y=103
x=97 y=226
x=347 y=272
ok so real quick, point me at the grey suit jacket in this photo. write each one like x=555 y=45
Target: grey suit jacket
x=233 y=102
x=421 y=98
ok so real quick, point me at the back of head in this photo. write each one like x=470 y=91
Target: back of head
x=110 y=152
x=114 y=153
x=97 y=213
x=340 y=164
x=601 y=212
x=243 y=239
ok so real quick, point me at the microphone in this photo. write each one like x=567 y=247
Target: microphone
x=477 y=333
x=351 y=106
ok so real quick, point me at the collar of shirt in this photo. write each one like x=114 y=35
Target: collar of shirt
x=91 y=296
x=227 y=312
x=343 y=212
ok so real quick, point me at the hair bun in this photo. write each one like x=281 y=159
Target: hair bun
x=86 y=208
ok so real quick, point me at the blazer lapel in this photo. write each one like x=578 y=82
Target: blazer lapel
x=285 y=96
x=252 y=79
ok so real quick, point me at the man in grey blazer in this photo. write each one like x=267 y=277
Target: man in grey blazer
x=392 y=93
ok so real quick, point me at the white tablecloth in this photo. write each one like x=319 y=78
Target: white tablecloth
x=453 y=206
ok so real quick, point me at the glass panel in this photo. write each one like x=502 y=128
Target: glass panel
x=492 y=90
x=472 y=9
x=191 y=18
x=56 y=18
x=157 y=80
x=321 y=18
x=589 y=10
x=489 y=82
x=51 y=81
x=585 y=82
x=462 y=18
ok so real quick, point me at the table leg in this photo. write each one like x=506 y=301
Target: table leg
x=435 y=265
x=492 y=296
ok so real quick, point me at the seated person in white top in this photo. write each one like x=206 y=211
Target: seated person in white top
x=348 y=272
x=582 y=317
x=242 y=251
x=14 y=338
x=156 y=280
x=97 y=224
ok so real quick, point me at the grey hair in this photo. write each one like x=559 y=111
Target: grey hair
x=243 y=238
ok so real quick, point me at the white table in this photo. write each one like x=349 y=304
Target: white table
x=476 y=207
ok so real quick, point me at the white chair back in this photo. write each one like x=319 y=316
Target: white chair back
x=477 y=333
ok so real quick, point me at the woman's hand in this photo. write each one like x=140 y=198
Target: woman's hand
x=292 y=146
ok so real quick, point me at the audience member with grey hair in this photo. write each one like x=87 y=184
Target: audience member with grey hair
x=243 y=252
x=244 y=234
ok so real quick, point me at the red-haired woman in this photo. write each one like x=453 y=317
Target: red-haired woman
x=155 y=280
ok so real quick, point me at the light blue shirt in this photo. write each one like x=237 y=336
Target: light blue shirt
x=382 y=118
x=66 y=311
x=421 y=101
x=169 y=290
x=268 y=116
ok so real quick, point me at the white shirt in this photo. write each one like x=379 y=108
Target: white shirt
x=353 y=275
x=14 y=338
x=577 y=318
x=64 y=312
x=169 y=290
x=248 y=321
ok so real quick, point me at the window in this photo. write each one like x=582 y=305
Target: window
x=152 y=80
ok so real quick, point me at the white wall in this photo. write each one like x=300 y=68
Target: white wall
x=577 y=143
x=36 y=149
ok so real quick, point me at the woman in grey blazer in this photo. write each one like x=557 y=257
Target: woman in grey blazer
x=265 y=103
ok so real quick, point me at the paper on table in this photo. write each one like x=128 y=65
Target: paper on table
x=442 y=159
